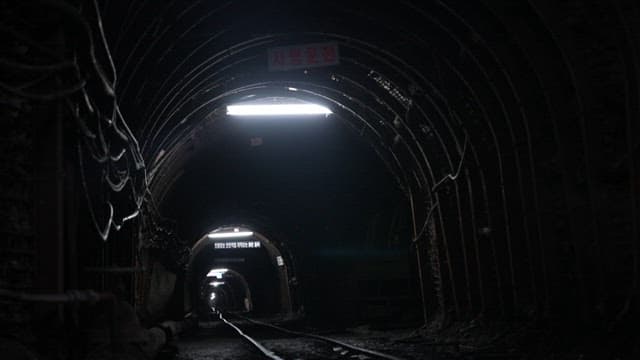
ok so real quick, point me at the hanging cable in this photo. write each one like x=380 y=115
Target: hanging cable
x=74 y=15
x=102 y=231
x=426 y=222
x=106 y=44
x=453 y=177
x=434 y=188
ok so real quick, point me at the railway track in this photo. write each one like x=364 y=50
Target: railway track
x=277 y=343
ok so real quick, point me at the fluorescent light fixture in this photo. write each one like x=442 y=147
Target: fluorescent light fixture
x=216 y=283
x=277 y=109
x=217 y=273
x=218 y=235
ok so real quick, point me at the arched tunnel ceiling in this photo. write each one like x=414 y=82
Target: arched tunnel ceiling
x=376 y=84
x=490 y=115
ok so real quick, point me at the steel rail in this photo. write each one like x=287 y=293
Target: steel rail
x=323 y=338
x=266 y=352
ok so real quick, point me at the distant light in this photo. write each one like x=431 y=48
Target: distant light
x=213 y=296
x=217 y=273
x=277 y=109
x=292 y=89
x=216 y=283
x=235 y=233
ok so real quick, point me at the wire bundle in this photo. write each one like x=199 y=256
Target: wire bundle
x=57 y=55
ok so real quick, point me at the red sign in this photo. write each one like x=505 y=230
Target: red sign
x=303 y=56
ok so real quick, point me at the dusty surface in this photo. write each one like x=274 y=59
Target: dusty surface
x=205 y=347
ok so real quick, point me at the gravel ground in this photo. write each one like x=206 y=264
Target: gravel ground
x=216 y=341
x=219 y=343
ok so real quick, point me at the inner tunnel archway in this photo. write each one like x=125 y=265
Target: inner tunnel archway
x=224 y=289
x=236 y=253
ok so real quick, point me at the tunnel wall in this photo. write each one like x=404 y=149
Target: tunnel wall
x=510 y=126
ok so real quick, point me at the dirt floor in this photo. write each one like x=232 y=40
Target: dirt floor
x=212 y=344
x=465 y=341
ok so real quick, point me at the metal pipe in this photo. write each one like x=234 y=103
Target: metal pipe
x=114 y=269
x=71 y=296
x=59 y=190
x=418 y=258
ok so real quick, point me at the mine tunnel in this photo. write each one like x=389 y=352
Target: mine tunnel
x=438 y=179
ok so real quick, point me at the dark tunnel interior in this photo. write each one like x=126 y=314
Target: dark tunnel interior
x=462 y=183
x=315 y=181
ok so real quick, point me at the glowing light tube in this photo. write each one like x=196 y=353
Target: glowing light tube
x=219 y=235
x=277 y=109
